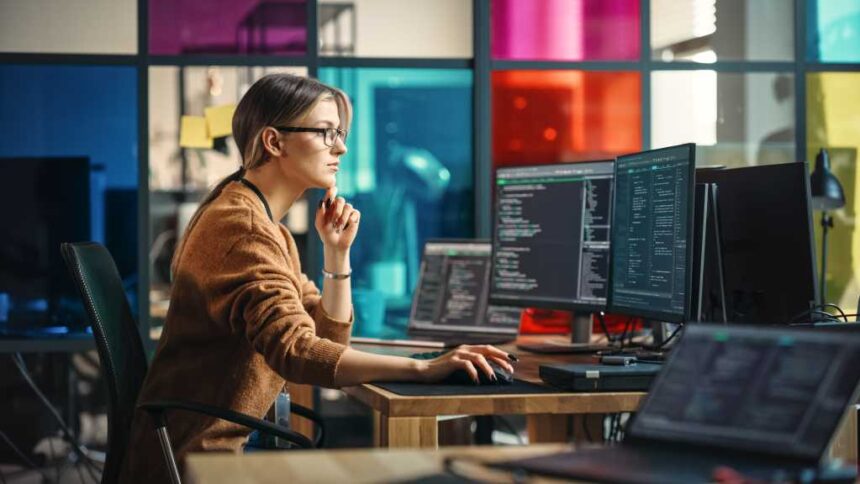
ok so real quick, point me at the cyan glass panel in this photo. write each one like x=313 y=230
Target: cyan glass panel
x=833 y=30
x=63 y=128
x=409 y=171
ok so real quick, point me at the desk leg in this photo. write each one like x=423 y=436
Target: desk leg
x=844 y=443
x=405 y=432
x=304 y=396
x=548 y=428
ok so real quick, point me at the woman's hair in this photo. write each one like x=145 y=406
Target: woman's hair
x=274 y=100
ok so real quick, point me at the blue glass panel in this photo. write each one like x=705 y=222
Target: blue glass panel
x=409 y=171
x=833 y=30
x=54 y=118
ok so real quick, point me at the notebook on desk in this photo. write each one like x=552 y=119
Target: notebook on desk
x=449 y=306
x=762 y=401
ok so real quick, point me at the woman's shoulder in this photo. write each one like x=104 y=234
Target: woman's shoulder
x=232 y=216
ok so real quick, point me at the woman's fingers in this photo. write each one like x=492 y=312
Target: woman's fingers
x=353 y=220
x=480 y=362
x=341 y=221
x=502 y=362
x=468 y=366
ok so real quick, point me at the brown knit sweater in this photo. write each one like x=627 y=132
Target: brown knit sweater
x=243 y=318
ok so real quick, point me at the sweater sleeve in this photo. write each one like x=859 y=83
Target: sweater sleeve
x=326 y=327
x=261 y=297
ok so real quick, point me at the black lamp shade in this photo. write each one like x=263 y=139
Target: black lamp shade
x=826 y=190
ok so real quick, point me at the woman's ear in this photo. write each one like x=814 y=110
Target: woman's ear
x=272 y=144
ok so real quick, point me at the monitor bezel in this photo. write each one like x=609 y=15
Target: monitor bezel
x=534 y=303
x=688 y=277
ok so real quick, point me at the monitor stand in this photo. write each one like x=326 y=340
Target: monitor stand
x=580 y=339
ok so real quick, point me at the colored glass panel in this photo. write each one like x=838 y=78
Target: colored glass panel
x=57 y=114
x=228 y=27
x=570 y=30
x=396 y=28
x=735 y=119
x=833 y=30
x=409 y=171
x=557 y=116
x=48 y=26
x=710 y=30
x=833 y=123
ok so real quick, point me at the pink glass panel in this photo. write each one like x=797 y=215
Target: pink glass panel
x=569 y=30
x=227 y=27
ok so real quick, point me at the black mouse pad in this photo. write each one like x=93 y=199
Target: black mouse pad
x=412 y=389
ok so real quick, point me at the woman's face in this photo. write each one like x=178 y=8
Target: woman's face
x=307 y=158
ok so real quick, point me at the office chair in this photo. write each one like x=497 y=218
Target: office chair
x=124 y=364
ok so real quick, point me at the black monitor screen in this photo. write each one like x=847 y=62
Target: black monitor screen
x=767 y=241
x=551 y=235
x=765 y=389
x=43 y=203
x=651 y=242
x=452 y=291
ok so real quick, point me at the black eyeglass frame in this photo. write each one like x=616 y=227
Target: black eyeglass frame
x=342 y=133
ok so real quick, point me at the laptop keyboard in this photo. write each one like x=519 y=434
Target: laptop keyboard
x=428 y=355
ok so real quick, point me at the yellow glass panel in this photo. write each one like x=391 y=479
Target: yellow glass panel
x=833 y=122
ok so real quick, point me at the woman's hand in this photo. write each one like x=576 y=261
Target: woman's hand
x=470 y=358
x=336 y=221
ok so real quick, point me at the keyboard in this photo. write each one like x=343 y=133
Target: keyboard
x=429 y=355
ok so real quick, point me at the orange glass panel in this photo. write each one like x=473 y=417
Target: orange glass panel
x=554 y=116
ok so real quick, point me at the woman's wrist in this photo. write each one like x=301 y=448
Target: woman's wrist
x=336 y=261
x=418 y=369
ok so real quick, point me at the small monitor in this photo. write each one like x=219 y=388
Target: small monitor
x=768 y=248
x=652 y=234
x=551 y=235
x=451 y=296
x=43 y=203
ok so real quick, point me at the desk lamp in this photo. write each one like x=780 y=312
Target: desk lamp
x=827 y=195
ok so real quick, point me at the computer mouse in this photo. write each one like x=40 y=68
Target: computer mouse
x=461 y=377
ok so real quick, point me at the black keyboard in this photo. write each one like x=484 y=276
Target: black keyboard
x=429 y=355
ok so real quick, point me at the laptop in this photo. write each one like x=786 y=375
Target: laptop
x=449 y=305
x=762 y=401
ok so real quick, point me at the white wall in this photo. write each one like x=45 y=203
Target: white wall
x=69 y=26
x=410 y=28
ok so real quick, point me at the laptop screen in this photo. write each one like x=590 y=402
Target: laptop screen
x=770 y=390
x=451 y=295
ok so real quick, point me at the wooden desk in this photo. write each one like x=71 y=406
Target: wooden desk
x=408 y=421
x=367 y=465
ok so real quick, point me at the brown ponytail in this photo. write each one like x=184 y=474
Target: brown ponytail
x=275 y=99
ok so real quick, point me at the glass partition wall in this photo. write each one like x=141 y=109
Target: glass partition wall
x=444 y=92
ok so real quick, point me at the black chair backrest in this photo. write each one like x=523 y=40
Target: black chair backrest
x=119 y=345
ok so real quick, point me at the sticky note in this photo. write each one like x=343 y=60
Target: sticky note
x=193 y=133
x=220 y=120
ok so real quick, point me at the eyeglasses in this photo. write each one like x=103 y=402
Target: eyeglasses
x=330 y=135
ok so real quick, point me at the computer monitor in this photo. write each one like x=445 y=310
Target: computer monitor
x=551 y=236
x=651 y=244
x=767 y=241
x=43 y=203
x=451 y=297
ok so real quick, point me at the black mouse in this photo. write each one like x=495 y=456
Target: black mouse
x=461 y=377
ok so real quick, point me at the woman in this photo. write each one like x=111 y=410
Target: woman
x=243 y=317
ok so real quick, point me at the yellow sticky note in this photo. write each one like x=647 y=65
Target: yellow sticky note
x=220 y=120
x=193 y=133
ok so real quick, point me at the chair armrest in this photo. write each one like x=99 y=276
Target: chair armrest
x=159 y=406
x=319 y=433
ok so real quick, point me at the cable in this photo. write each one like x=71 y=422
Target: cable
x=23 y=456
x=76 y=446
x=814 y=310
x=667 y=340
x=831 y=305
x=600 y=315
